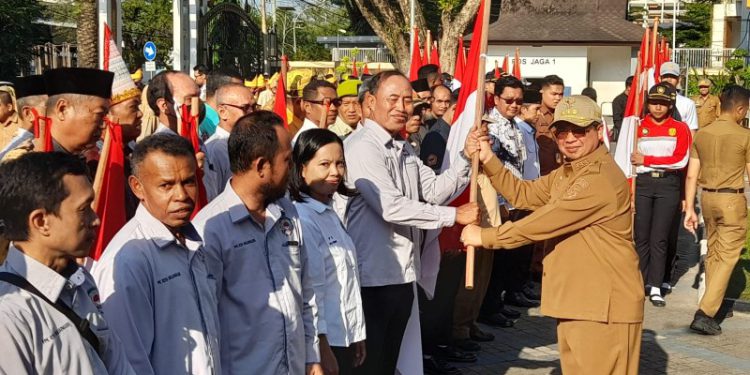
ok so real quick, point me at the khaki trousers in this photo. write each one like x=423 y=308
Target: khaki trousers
x=725 y=216
x=596 y=348
x=468 y=302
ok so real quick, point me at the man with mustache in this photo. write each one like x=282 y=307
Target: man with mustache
x=50 y=317
x=156 y=288
x=399 y=198
x=254 y=244
x=314 y=98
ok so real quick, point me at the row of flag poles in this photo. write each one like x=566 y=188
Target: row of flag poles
x=653 y=52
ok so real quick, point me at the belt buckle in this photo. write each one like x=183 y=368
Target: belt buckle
x=656 y=174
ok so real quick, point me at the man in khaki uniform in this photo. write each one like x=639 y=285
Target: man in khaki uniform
x=719 y=157
x=706 y=104
x=591 y=281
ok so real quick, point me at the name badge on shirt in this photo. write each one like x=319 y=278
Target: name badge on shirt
x=288 y=229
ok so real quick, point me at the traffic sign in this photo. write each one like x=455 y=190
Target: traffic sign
x=150 y=66
x=149 y=51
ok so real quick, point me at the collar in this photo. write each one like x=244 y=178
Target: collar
x=380 y=134
x=524 y=125
x=45 y=279
x=728 y=118
x=164 y=128
x=156 y=231
x=315 y=204
x=591 y=160
x=546 y=110
x=238 y=212
x=221 y=133
x=308 y=124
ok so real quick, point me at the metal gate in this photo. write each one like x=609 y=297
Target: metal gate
x=227 y=37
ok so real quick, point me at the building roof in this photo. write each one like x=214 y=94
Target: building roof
x=587 y=22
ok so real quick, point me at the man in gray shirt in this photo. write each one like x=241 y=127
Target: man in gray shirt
x=50 y=318
x=400 y=197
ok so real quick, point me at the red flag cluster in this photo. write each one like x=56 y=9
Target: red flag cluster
x=279 y=106
x=419 y=59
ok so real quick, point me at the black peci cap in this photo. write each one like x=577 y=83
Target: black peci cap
x=30 y=86
x=83 y=81
x=420 y=85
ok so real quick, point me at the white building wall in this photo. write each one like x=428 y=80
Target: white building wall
x=610 y=66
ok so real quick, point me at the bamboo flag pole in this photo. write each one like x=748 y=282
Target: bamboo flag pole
x=654 y=44
x=478 y=112
x=428 y=47
x=101 y=167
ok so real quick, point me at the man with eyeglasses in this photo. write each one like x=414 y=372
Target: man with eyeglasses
x=318 y=99
x=508 y=145
x=591 y=281
x=233 y=101
x=707 y=104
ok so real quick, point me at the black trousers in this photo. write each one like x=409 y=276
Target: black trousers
x=436 y=315
x=510 y=271
x=344 y=358
x=387 y=310
x=657 y=200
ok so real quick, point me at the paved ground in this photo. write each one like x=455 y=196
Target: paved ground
x=668 y=346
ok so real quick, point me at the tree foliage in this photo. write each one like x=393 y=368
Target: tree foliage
x=694 y=26
x=142 y=21
x=19 y=34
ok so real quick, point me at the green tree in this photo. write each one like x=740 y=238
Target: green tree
x=694 y=26
x=19 y=34
x=144 y=20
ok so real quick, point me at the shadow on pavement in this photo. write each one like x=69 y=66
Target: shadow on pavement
x=654 y=359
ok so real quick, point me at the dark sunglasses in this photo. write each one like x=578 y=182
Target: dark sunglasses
x=511 y=101
x=336 y=102
x=578 y=132
x=703 y=87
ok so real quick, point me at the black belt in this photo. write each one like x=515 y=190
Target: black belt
x=660 y=174
x=725 y=190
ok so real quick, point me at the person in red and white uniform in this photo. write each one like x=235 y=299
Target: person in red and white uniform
x=663 y=149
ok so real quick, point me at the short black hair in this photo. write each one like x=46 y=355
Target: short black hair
x=428 y=71
x=734 y=96
x=507 y=81
x=158 y=87
x=253 y=136
x=307 y=145
x=381 y=77
x=589 y=92
x=218 y=78
x=167 y=143
x=629 y=81
x=31 y=182
x=200 y=68
x=551 y=80
x=310 y=92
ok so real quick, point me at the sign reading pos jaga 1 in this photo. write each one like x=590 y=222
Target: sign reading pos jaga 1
x=149 y=51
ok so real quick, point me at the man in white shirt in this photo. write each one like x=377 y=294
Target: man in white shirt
x=254 y=249
x=670 y=73
x=50 y=318
x=315 y=97
x=232 y=101
x=155 y=285
x=167 y=92
x=399 y=198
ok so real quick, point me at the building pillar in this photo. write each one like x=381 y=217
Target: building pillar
x=185 y=34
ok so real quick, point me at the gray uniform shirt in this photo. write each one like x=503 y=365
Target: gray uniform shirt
x=266 y=300
x=160 y=298
x=38 y=339
x=399 y=196
x=218 y=170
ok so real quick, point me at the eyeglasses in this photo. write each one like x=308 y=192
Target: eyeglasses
x=577 y=132
x=511 y=101
x=247 y=108
x=336 y=102
x=703 y=87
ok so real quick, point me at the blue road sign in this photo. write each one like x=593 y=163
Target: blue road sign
x=149 y=51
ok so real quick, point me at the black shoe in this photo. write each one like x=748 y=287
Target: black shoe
x=665 y=289
x=436 y=366
x=496 y=320
x=530 y=293
x=520 y=300
x=657 y=300
x=482 y=336
x=452 y=354
x=467 y=345
x=510 y=313
x=705 y=324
